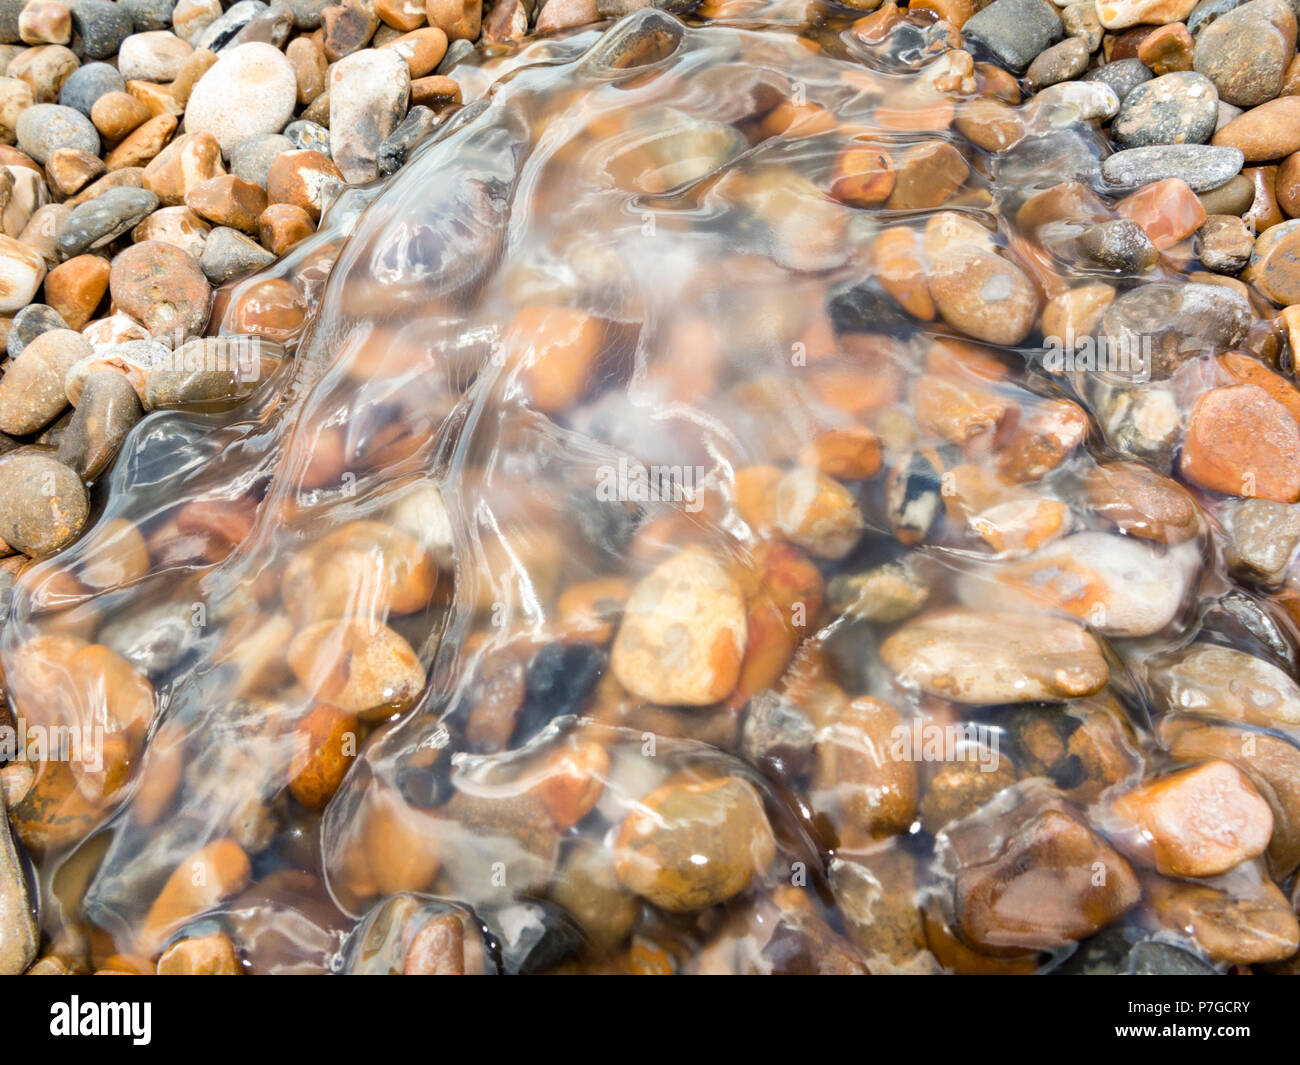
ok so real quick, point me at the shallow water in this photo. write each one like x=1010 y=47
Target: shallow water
x=670 y=184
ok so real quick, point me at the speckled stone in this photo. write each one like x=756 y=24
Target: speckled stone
x=101 y=25
x=149 y=15
x=1202 y=166
x=1015 y=31
x=1178 y=108
x=44 y=128
x=1124 y=75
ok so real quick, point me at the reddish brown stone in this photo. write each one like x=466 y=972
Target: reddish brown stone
x=161 y=287
x=227 y=200
x=1243 y=442
x=282 y=225
x=75 y=288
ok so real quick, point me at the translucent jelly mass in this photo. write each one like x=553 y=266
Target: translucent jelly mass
x=665 y=442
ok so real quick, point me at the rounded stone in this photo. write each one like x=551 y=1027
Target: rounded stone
x=101 y=25
x=44 y=503
x=1178 y=108
x=162 y=287
x=87 y=84
x=251 y=89
x=44 y=128
x=1123 y=76
x=1245 y=55
x=148 y=15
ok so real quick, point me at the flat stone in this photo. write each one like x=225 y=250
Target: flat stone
x=1201 y=166
x=1179 y=108
x=100 y=221
x=1211 y=681
x=985 y=657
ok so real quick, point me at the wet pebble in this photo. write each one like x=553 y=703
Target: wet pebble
x=108 y=410
x=1015 y=31
x=45 y=504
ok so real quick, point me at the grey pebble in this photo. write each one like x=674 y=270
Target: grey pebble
x=307 y=13
x=457 y=51
x=108 y=410
x=308 y=135
x=105 y=218
x=1202 y=166
x=251 y=158
x=101 y=25
x=228 y=253
x=410 y=131
x=1123 y=76
x=149 y=14
x=1207 y=12
x=44 y=128
x=88 y=83
x=1015 y=31
x=28 y=324
x=9 y=12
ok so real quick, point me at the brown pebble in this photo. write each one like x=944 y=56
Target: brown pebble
x=422 y=49
x=142 y=145
x=45 y=22
x=1269 y=131
x=301 y=178
x=195 y=66
x=161 y=287
x=282 y=225
x=70 y=169
x=45 y=68
x=127 y=177
x=228 y=200
x=75 y=288
x=115 y=114
x=158 y=98
x=458 y=19
x=188 y=161
x=401 y=14
x=348 y=28
x=309 y=67
x=210 y=955
x=1167 y=49
x=434 y=91
x=1286 y=185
